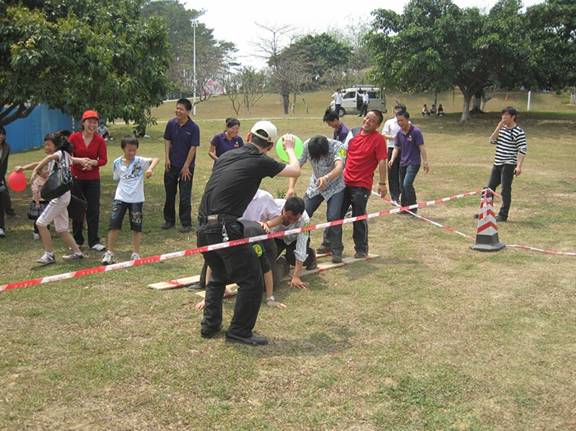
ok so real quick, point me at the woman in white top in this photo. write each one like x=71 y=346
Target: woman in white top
x=56 y=147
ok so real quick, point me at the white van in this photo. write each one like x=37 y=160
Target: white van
x=351 y=98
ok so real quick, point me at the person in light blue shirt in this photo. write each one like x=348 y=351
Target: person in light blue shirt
x=129 y=170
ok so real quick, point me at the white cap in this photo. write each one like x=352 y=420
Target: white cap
x=265 y=130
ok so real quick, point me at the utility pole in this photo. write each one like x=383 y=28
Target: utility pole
x=194 y=25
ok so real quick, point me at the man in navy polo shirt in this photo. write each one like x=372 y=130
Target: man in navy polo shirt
x=181 y=138
x=341 y=131
x=227 y=140
x=410 y=144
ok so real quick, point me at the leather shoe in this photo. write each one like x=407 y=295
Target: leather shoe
x=167 y=225
x=185 y=229
x=210 y=332
x=254 y=340
x=336 y=258
x=501 y=219
x=360 y=255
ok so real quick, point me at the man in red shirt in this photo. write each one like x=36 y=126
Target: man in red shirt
x=88 y=144
x=366 y=151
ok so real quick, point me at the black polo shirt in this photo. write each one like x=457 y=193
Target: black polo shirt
x=236 y=177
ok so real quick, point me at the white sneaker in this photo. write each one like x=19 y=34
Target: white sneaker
x=108 y=258
x=2 y=233
x=98 y=247
x=35 y=235
x=46 y=259
x=73 y=256
x=134 y=256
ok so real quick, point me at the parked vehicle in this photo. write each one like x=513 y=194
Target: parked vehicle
x=352 y=96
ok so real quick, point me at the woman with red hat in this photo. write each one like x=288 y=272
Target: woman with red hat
x=88 y=144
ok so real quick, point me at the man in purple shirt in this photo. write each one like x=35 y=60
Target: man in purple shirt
x=227 y=140
x=340 y=130
x=410 y=144
x=181 y=138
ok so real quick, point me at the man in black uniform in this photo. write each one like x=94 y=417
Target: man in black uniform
x=234 y=181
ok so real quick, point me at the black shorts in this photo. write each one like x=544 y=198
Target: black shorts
x=119 y=210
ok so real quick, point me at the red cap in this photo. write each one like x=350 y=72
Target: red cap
x=89 y=114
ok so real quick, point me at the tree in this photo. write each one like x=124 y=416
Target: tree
x=435 y=45
x=74 y=55
x=552 y=37
x=213 y=57
x=319 y=54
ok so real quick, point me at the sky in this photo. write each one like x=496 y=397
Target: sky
x=234 y=21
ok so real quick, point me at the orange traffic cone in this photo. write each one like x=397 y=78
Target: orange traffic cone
x=487 y=232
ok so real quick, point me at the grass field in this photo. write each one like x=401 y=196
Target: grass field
x=430 y=336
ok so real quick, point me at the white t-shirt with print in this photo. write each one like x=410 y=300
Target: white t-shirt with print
x=130 y=179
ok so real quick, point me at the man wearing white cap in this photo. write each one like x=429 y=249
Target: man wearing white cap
x=236 y=177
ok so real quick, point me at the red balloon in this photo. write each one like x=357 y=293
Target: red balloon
x=16 y=181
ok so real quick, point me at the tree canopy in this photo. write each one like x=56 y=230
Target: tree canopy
x=213 y=57
x=73 y=55
x=434 y=45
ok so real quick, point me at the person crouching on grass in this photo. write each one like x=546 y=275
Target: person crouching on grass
x=56 y=147
x=129 y=170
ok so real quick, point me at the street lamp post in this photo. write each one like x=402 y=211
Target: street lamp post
x=194 y=25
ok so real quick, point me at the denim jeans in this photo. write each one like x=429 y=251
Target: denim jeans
x=89 y=190
x=358 y=198
x=172 y=181
x=394 y=177
x=332 y=237
x=407 y=177
x=503 y=174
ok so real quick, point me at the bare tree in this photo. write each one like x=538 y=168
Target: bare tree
x=231 y=84
x=270 y=48
x=252 y=84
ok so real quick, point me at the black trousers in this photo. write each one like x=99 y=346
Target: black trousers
x=394 y=177
x=358 y=198
x=290 y=248
x=5 y=196
x=89 y=190
x=172 y=182
x=503 y=174
x=2 y=208
x=237 y=264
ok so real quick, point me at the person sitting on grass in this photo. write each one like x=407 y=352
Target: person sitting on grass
x=129 y=170
x=58 y=149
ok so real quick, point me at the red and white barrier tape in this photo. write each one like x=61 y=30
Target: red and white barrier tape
x=160 y=258
x=470 y=237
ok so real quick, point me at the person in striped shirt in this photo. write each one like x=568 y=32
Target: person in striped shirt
x=511 y=147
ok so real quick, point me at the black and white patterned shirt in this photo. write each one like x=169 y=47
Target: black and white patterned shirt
x=510 y=142
x=323 y=166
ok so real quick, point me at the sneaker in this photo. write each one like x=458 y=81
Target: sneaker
x=35 y=235
x=185 y=229
x=46 y=259
x=323 y=250
x=360 y=255
x=73 y=256
x=167 y=225
x=134 y=256
x=501 y=219
x=2 y=233
x=108 y=258
x=336 y=258
x=98 y=247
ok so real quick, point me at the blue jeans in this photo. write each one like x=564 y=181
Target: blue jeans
x=407 y=177
x=358 y=198
x=332 y=235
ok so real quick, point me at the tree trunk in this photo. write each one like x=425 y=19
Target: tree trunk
x=286 y=103
x=477 y=103
x=573 y=97
x=466 y=108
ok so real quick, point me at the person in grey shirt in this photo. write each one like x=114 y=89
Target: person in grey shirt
x=327 y=157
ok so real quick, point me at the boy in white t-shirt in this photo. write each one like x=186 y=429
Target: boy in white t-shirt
x=130 y=171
